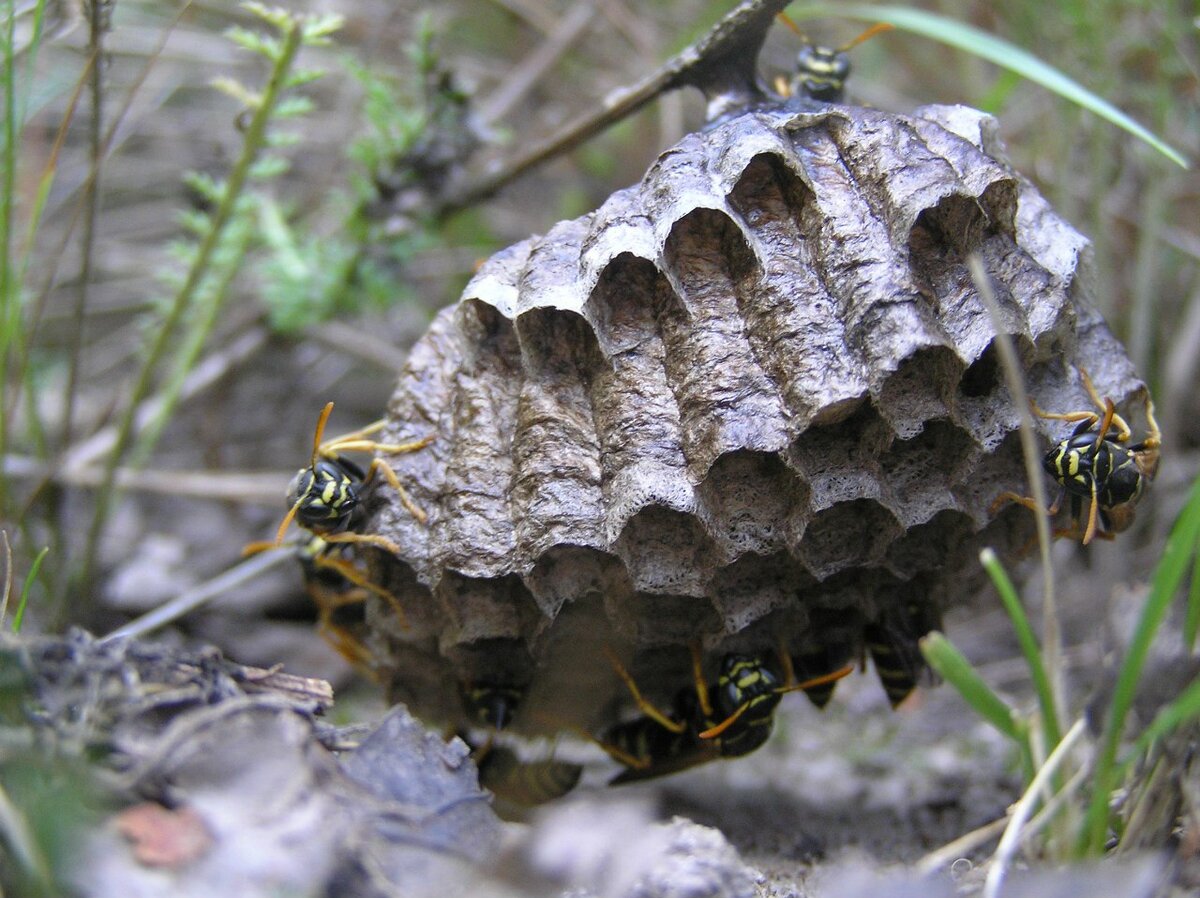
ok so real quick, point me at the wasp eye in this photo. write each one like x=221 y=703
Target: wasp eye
x=299 y=486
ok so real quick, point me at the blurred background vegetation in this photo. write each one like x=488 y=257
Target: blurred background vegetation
x=333 y=261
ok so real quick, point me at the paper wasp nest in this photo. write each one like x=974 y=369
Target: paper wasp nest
x=753 y=400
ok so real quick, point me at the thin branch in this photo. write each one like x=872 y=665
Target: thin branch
x=249 y=487
x=201 y=595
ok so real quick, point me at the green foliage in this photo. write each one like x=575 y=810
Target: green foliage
x=211 y=263
x=980 y=44
x=48 y=801
x=30 y=579
x=1105 y=774
x=1177 y=558
x=310 y=277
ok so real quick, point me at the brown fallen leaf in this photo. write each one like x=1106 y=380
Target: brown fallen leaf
x=162 y=837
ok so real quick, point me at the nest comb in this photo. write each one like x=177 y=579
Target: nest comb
x=753 y=399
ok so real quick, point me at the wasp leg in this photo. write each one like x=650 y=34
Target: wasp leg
x=1123 y=431
x=1093 y=513
x=698 y=680
x=1089 y=417
x=644 y=705
x=360 y=435
x=394 y=482
x=359 y=579
x=360 y=441
x=1145 y=453
x=344 y=444
x=364 y=539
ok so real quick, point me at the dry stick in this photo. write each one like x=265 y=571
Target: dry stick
x=1182 y=366
x=723 y=61
x=531 y=12
x=189 y=601
x=210 y=369
x=8 y=575
x=350 y=340
x=964 y=844
x=534 y=66
x=1023 y=809
x=1051 y=633
x=246 y=487
x=98 y=12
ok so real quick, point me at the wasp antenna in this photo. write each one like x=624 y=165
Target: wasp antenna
x=715 y=731
x=320 y=432
x=287 y=518
x=787 y=20
x=877 y=28
x=819 y=681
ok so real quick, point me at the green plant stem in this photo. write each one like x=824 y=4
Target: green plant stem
x=1175 y=561
x=91 y=211
x=1029 y=645
x=8 y=298
x=194 y=340
x=254 y=140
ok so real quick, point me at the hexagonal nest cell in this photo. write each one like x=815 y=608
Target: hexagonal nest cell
x=753 y=402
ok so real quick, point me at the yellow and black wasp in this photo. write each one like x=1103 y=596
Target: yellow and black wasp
x=339 y=589
x=838 y=646
x=727 y=719
x=519 y=782
x=325 y=498
x=491 y=704
x=1095 y=465
x=822 y=72
x=894 y=641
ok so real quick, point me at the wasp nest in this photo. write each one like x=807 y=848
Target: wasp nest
x=753 y=401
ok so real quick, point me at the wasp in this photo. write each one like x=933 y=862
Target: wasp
x=822 y=72
x=339 y=589
x=1095 y=465
x=501 y=770
x=894 y=643
x=726 y=719
x=325 y=497
x=491 y=705
x=520 y=782
x=838 y=646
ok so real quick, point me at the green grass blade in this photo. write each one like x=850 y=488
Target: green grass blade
x=19 y=617
x=1176 y=559
x=986 y=46
x=953 y=666
x=1192 y=623
x=9 y=291
x=1029 y=645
